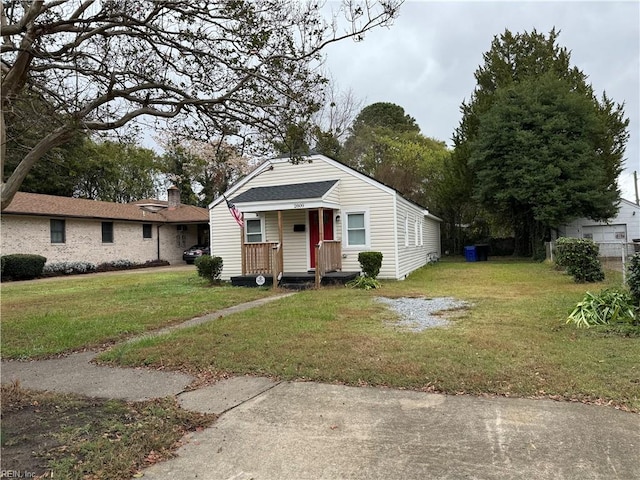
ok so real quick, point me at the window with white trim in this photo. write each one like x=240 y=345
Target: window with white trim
x=253 y=228
x=356 y=225
x=415 y=232
x=421 y=240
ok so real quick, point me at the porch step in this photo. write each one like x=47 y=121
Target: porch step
x=296 y=281
x=297 y=285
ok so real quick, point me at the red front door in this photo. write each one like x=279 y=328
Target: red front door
x=314 y=231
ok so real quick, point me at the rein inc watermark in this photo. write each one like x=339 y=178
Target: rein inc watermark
x=24 y=474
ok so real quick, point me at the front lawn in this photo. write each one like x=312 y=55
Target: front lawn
x=43 y=318
x=513 y=341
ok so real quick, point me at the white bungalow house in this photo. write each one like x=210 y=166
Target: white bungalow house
x=281 y=233
x=623 y=229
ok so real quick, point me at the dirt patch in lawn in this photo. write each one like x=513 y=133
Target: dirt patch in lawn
x=45 y=435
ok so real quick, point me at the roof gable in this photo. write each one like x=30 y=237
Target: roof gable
x=269 y=164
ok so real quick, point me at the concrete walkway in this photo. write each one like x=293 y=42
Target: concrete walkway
x=296 y=430
x=75 y=374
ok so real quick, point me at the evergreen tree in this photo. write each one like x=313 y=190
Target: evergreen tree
x=535 y=154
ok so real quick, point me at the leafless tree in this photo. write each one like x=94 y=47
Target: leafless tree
x=217 y=68
x=338 y=111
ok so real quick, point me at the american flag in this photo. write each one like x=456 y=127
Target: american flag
x=235 y=213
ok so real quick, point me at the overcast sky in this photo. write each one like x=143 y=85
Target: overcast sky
x=425 y=62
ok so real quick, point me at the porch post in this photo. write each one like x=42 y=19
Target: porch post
x=279 y=253
x=317 y=250
x=242 y=252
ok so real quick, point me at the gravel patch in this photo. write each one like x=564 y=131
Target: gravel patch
x=418 y=314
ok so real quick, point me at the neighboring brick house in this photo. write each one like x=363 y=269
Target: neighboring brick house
x=64 y=229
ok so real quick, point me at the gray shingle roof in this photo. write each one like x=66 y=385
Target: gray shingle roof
x=285 y=192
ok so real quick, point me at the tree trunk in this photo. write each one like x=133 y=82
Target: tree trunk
x=9 y=188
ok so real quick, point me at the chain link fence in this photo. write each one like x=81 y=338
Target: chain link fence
x=613 y=255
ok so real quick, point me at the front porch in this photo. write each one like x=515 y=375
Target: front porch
x=266 y=260
x=291 y=228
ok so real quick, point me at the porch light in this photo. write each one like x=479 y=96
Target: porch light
x=338 y=218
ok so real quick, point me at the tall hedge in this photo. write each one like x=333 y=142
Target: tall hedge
x=633 y=277
x=580 y=257
x=20 y=266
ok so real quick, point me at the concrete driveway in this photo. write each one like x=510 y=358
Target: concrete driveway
x=318 y=431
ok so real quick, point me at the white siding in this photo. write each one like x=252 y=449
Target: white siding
x=410 y=255
x=628 y=215
x=431 y=233
x=354 y=192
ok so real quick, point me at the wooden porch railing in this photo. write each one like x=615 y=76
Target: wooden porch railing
x=257 y=258
x=328 y=258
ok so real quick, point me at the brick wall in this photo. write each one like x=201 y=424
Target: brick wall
x=25 y=234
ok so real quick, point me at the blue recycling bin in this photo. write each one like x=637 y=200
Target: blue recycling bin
x=470 y=254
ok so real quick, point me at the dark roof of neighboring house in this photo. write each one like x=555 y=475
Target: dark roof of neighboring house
x=285 y=192
x=53 y=206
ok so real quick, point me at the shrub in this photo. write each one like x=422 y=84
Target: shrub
x=115 y=265
x=209 y=267
x=607 y=307
x=633 y=278
x=21 y=266
x=370 y=262
x=580 y=257
x=68 y=268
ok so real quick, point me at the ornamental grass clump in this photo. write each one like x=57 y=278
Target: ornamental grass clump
x=610 y=306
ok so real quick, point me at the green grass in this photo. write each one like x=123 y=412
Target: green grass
x=513 y=341
x=45 y=318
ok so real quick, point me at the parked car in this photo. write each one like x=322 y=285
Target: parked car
x=191 y=253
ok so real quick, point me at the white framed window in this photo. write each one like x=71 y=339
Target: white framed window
x=254 y=230
x=415 y=232
x=357 y=228
x=421 y=233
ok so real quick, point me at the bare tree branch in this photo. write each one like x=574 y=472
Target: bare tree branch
x=244 y=68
